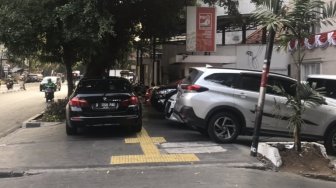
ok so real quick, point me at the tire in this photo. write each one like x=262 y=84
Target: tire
x=137 y=128
x=330 y=141
x=70 y=130
x=223 y=127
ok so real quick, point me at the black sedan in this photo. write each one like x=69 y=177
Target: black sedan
x=103 y=102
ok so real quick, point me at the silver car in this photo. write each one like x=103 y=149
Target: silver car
x=221 y=103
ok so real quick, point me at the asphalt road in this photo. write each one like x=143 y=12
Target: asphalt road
x=19 y=105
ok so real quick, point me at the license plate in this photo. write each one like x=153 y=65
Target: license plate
x=105 y=105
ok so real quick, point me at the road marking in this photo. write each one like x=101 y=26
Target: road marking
x=192 y=147
x=151 y=152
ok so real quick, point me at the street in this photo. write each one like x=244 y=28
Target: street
x=164 y=154
x=19 y=105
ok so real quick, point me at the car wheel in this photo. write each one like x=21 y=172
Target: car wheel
x=330 y=142
x=70 y=130
x=223 y=127
x=137 y=128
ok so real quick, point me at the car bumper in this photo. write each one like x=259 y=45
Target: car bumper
x=86 y=121
x=188 y=116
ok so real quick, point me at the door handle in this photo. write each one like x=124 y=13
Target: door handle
x=242 y=95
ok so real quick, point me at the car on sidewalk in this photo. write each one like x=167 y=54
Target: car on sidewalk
x=103 y=102
x=221 y=103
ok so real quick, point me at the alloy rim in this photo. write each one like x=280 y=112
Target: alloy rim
x=224 y=128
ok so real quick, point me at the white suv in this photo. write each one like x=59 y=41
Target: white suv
x=324 y=81
x=221 y=103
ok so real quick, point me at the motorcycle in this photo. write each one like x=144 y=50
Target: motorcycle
x=9 y=84
x=49 y=93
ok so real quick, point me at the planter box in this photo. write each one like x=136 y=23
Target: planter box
x=270 y=151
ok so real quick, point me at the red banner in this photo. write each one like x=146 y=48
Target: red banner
x=206 y=29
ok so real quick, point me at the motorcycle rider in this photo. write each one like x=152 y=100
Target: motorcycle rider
x=9 y=82
x=51 y=85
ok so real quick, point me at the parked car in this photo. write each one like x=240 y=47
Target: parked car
x=34 y=78
x=221 y=103
x=56 y=80
x=160 y=96
x=327 y=82
x=104 y=102
x=169 y=107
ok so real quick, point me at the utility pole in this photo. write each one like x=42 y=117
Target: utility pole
x=154 y=60
x=1 y=68
x=263 y=84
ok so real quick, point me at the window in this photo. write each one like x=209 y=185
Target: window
x=309 y=68
x=96 y=85
x=328 y=85
x=192 y=77
x=222 y=78
x=249 y=82
x=287 y=85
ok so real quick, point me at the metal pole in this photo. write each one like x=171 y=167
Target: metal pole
x=137 y=64
x=154 y=60
x=1 y=69
x=142 y=74
x=263 y=84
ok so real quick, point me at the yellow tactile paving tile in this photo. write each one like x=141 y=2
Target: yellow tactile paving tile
x=167 y=158
x=151 y=152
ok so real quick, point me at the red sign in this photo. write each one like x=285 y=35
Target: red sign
x=205 y=29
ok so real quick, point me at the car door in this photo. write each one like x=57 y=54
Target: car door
x=246 y=97
x=275 y=106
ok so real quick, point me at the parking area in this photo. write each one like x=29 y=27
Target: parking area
x=159 y=142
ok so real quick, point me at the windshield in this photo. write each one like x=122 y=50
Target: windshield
x=45 y=79
x=101 y=85
x=328 y=86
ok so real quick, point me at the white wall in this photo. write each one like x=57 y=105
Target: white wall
x=248 y=57
x=245 y=7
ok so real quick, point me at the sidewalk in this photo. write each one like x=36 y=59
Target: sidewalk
x=3 y=88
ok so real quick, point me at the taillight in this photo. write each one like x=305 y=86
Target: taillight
x=78 y=102
x=194 y=88
x=131 y=101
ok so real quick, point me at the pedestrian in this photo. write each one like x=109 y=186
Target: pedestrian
x=23 y=82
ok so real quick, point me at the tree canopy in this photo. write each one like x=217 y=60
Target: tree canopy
x=95 y=32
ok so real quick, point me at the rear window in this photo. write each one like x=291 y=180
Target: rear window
x=103 y=85
x=45 y=79
x=328 y=85
x=192 y=77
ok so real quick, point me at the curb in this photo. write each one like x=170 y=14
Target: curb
x=270 y=152
x=33 y=123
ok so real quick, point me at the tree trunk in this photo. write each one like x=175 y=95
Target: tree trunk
x=68 y=60
x=297 y=128
x=97 y=69
x=68 y=66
